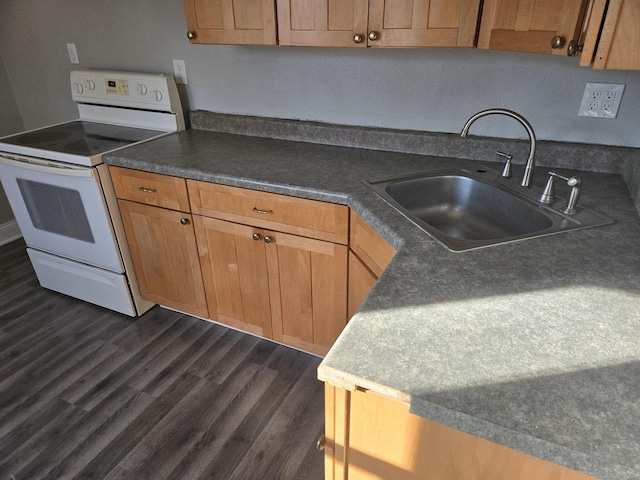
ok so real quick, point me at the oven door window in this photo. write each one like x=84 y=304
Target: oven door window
x=56 y=209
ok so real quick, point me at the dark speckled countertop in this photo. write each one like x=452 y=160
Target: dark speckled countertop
x=534 y=345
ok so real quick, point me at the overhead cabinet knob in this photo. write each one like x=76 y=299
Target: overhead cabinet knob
x=191 y=35
x=374 y=36
x=357 y=38
x=184 y=221
x=574 y=48
x=557 y=42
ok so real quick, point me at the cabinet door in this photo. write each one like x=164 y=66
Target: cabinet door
x=165 y=256
x=234 y=268
x=308 y=288
x=323 y=23
x=618 y=41
x=423 y=23
x=361 y=281
x=530 y=25
x=249 y=22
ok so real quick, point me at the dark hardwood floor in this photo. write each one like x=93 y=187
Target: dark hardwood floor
x=86 y=393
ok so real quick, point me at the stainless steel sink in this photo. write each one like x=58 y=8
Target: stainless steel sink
x=473 y=208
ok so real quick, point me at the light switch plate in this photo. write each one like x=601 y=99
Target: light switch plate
x=601 y=100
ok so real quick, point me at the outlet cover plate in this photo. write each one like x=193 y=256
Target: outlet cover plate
x=180 y=72
x=73 y=53
x=601 y=100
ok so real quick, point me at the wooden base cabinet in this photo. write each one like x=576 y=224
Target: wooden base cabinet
x=273 y=265
x=370 y=437
x=155 y=213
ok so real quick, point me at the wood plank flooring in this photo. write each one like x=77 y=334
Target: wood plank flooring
x=86 y=393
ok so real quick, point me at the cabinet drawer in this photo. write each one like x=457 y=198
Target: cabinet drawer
x=366 y=243
x=309 y=218
x=150 y=188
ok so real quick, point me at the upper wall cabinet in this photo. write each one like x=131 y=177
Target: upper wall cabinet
x=613 y=36
x=378 y=23
x=537 y=26
x=233 y=22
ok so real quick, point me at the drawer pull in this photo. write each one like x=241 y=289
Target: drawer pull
x=262 y=212
x=147 y=190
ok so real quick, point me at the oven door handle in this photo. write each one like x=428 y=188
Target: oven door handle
x=45 y=166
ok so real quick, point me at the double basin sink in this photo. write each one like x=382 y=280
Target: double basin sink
x=466 y=208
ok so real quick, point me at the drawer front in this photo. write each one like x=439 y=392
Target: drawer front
x=367 y=244
x=308 y=218
x=150 y=188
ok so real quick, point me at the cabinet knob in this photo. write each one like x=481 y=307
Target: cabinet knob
x=374 y=36
x=574 y=48
x=256 y=236
x=184 y=221
x=357 y=38
x=191 y=35
x=557 y=42
x=267 y=239
x=321 y=443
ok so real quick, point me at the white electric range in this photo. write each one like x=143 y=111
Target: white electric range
x=61 y=193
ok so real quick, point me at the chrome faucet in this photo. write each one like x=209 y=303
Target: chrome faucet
x=528 y=170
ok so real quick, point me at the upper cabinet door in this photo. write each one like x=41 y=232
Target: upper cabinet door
x=232 y=22
x=326 y=23
x=378 y=23
x=422 y=23
x=530 y=25
x=613 y=36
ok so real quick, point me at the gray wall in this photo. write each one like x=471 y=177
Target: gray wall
x=10 y=122
x=422 y=89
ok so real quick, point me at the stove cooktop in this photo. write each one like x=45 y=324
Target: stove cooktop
x=81 y=138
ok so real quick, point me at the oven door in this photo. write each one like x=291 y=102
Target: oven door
x=60 y=209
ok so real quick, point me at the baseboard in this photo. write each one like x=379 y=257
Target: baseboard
x=9 y=232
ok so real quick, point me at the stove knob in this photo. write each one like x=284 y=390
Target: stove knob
x=79 y=87
x=142 y=89
x=91 y=85
x=158 y=95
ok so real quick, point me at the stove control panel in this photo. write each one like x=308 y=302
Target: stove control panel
x=125 y=89
x=116 y=87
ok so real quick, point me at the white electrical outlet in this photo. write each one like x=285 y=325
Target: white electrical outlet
x=73 y=54
x=601 y=100
x=180 y=72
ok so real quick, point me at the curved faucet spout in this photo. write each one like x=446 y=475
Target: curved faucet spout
x=528 y=170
